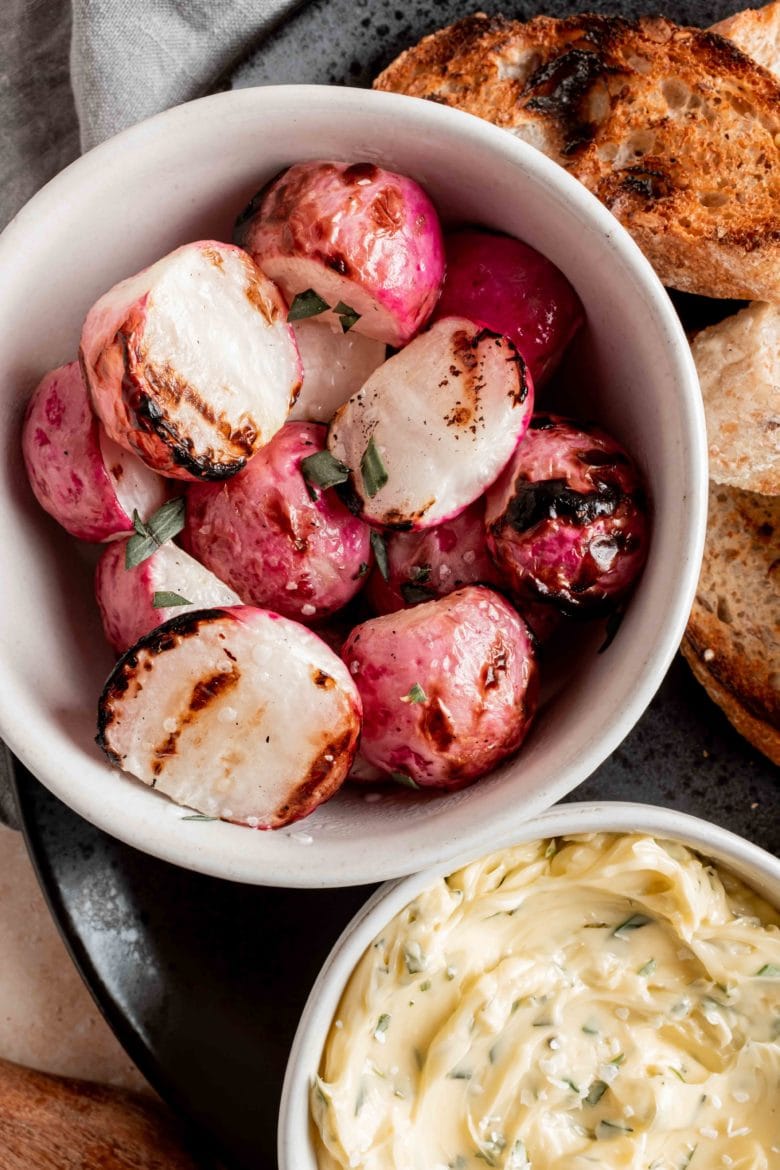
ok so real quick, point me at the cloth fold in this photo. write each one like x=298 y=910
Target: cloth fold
x=72 y=75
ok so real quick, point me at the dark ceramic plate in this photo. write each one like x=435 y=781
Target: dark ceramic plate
x=203 y=980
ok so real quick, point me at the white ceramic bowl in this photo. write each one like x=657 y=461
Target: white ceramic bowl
x=759 y=869
x=184 y=175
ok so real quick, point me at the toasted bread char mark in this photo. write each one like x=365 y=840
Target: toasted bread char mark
x=674 y=129
x=205 y=691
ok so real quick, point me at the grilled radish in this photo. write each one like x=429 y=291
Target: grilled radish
x=449 y=687
x=567 y=520
x=434 y=425
x=168 y=583
x=510 y=287
x=191 y=363
x=281 y=540
x=237 y=713
x=82 y=478
x=364 y=241
x=335 y=366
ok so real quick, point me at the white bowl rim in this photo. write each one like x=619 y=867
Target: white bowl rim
x=749 y=861
x=210 y=852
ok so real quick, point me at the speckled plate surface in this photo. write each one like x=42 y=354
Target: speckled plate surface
x=203 y=980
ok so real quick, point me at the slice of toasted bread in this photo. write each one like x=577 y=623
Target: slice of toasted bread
x=732 y=642
x=739 y=369
x=756 y=31
x=674 y=129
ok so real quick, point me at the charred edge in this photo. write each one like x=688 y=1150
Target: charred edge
x=494 y=666
x=243 y=220
x=593 y=457
x=557 y=90
x=648 y=182
x=399 y=522
x=205 y=691
x=437 y=725
x=259 y=301
x=359 y=174
x=349 y=497
x=173 y=390
x=199 y=466
x=762 y=707
x=337 y=263
x=214 y=257
x=322 y=679
x=519 y=395
x=552 y=499
x=319 y=783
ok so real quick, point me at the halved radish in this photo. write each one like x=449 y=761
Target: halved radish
x=133 y=601
x=237 y=713
x=191 y=363
x=510 y=287
x=277 y=538
x=335 y=366
x=359 y=236
x=82 y=478
x=434 y=426
x=449 y=688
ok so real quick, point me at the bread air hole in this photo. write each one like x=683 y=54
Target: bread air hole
x=713 y=199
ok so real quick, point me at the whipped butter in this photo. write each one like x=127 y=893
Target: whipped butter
x=595 y=1001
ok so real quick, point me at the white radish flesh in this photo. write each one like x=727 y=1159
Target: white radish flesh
x=444 y=416
x=335 y=366
x=191 y=363
x=237 y=713
x=83 y=479
x=357 y=235
x=126 y=597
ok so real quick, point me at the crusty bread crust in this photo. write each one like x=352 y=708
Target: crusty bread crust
x=756 y=31
x=738 y=361
x=674 y=129
x=732 y=641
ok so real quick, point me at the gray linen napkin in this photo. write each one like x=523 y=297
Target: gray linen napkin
x=72 y=74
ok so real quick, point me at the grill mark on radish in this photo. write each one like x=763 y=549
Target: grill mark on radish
x=213 y=257
x=322 y=779
x=321 y=679
x=494 y=666
x=550 y=499
x=387 y=210
x=204 y=693
x=437 y=724
x=337 y=263
x=359 y=174
x=258 y=300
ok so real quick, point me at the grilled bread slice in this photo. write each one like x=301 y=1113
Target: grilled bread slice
x=674 y=129
x=732 y=642
x=756 y=31
x=738 y=361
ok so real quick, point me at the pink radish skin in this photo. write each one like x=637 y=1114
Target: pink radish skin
x=472 y=656
x=567 y=520
x=265 y=537
x=445 y=415
x=512 y=289
x=237 y=713
x=335 y=366
x=125 y=597
x=354 y=233
x=83 y=479
x=191 y=363
x=434 y=562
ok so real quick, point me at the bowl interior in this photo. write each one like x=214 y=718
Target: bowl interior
x=758 y=869
x=184 y=175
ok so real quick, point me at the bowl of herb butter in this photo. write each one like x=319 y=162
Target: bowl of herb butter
x=602 y=988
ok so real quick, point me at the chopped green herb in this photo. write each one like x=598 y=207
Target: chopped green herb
x=372 y=469
x=362 y=570
x=419 y=573
x=323 y=470
x=635 y=922
x=459 y=1074
x=380 y=552
x=551 y=849
x=321 y=1094
x=647 y=968
x=382 y=1024
x=610 y=1129
x=618 y=1060
x=425 y=985
x=307 y=304
x=595 y=1092
x=361 y=1099
x=595 y=925
x=198 y=817
x=163 y=599
x=518 y=1158
x=491 y=1148
x=414 y=959
x=590 y=1029
x=542 y=1024
x=770 y=970
x=574 y=1088
x=678 y=1073
x=166 y=523
x=416 y=695
x=449 y=974
x=402 y=778
x=415 y=594
x=397 y=1093
x=346 y=315
x=459 y=1163
x=687 y=1161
